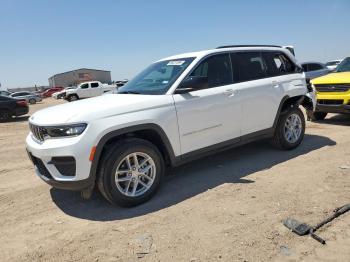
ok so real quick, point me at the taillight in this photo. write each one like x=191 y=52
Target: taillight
x=22 y=102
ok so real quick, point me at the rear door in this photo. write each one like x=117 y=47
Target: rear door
x=259 y=94
x=95 y=89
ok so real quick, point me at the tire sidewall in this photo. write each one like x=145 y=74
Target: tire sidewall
x=72 y=98
x=32 y=101
x=280 y=129
x=114 y=160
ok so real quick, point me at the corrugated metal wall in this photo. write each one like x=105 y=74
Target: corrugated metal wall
x=75 y=77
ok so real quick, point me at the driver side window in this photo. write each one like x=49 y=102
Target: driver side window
x=217 y=69
x=84 y=86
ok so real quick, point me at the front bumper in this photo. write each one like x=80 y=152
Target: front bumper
x=333 y=102
x=42 y=172
x=20 y=111
x=333 y=108
x=75 y=175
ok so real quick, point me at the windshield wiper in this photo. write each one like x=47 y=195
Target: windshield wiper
x=129 y=92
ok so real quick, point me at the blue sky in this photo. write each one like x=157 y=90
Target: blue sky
x=40 y=38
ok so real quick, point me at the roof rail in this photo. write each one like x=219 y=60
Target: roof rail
x=229 y=46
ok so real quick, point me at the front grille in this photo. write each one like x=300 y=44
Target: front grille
x=332 y=87
x=37 y=131
x=330 y=102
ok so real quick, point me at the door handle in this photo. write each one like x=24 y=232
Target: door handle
x=229 y=92
x=275 y=84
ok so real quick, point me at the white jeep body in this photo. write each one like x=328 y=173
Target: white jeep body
x=188 y=124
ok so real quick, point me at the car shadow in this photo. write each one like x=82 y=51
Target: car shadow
x=338 y=119
x=190 y=180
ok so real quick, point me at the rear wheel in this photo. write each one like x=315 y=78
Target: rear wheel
x=317 y=116
x=131 y=172
x=72 y=98
x=5 y=115
x=290 y=129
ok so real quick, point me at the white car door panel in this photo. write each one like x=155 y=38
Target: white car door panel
x=207 y=117
x=260 y=101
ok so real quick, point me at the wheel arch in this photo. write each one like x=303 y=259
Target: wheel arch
x=288 y=102
x=150 y=132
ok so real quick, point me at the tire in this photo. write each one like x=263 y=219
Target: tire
x=317 y=116
x=32 y=101
x=72 y=98
x=5 y=115
x=122 y=192
x=288 y=138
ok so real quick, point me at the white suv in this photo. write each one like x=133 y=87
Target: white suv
x=179 y=108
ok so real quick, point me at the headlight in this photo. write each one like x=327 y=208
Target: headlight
x=63 y=131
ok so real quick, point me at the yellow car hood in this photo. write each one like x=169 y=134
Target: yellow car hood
x=333 y=78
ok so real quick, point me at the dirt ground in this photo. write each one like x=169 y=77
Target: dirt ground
x=226 y=207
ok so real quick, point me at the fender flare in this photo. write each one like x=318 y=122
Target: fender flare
x=124 y=131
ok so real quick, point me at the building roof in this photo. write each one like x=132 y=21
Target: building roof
x=78 y=70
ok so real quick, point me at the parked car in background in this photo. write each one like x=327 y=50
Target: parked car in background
x=62 y=94
x=333 y=64
x=178 y=109
x=5 y=93
x=120 y=83
x=314 y=69
x=333 y=91
x=31 y=98
x=10 y=107
x=86 y=90
x=49 y=92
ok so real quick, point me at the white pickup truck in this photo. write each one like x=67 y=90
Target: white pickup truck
x=86 y=90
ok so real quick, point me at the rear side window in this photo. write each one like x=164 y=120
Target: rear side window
x=247 y=66
x=217 y=69
x=93 y=85
x=278 y=64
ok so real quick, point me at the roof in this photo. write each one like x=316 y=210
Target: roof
x=201 y=54
x=78 y=70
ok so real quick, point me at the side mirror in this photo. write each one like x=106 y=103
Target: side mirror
x=192 y=83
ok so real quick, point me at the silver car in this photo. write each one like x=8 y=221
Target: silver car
x=31 y=98
x=314 y=69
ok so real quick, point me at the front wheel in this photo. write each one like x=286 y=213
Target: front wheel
x=290 y=129
x=131 y=172
x=72 y=98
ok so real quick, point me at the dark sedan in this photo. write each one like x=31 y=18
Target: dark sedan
x=10 y=107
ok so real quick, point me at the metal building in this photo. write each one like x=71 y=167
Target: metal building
x=77 y=76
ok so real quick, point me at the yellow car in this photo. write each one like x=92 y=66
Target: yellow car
x=333 y=91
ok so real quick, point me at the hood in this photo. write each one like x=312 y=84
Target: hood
x=333 y=78
x=98 y=107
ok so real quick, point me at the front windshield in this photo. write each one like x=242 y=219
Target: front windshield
x=157 y=78
x=344 y=66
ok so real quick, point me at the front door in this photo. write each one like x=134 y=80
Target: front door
x=209 y=116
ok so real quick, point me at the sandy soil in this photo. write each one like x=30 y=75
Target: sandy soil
x=227 y=207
